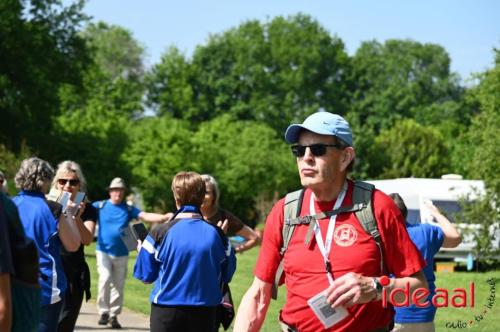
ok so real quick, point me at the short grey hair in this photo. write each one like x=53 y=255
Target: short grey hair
x=33 y=174
x=69 y=166
x=210 y=181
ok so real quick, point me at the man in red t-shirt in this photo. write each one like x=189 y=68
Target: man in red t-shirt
x=333 y=282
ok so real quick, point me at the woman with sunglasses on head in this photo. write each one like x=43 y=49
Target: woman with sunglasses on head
x=69 y=178
x=50 y=230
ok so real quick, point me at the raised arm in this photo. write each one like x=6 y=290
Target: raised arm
x=68 y=231
x=251 y=236
x=154 y=217
x=86 y=228
x=253 y=307
x=452 y=237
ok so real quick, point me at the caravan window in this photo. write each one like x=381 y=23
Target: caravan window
x=448 y=208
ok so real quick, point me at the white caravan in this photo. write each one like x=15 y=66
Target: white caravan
x=445 y=193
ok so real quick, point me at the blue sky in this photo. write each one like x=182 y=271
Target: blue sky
x=467 y=29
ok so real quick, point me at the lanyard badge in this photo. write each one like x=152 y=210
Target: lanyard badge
x=318 y=303
x=327 y=315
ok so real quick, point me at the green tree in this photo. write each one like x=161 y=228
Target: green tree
x=95 y=119
x=116 y=51
x=411 y=150
x=119 y=59
x=158 y=149
x=481 y=146
x=94 y=134
x=405 y=79
x=40 y=50
x=479 y=151
x=247 y=158
x=402 y=79
x=279 y=71
x=10 y=162
x=170 y=87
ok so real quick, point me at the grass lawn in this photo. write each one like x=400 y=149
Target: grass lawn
x=137 y=295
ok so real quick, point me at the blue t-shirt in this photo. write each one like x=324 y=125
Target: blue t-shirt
x=428 y=239
x=187 y=264
x=41 y=226
x=112 y=220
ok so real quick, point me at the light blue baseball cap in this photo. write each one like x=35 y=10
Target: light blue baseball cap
x=323 y=123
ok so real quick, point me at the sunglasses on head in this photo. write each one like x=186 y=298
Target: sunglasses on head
x=72 y=182
x=317 y=150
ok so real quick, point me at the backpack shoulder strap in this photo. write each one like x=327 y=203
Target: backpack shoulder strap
x=159 y=232
x=362 y=194
x=129 y=211
x=292 y=207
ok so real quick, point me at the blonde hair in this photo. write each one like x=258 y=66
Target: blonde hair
x=69 y=166
x=188 y=188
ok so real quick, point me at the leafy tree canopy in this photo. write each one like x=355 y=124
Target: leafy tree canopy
x=158 y=149
x=411 y=150
x=40 y=50
x=405 y=79
x=276 y=72
x=482 y=140
x=248 y=160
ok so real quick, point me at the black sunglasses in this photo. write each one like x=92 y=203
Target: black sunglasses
x=317 y=150
x=72 y=182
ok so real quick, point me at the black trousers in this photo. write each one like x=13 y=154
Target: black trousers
x=182 y=318
x=78 y=276
x=72 y=304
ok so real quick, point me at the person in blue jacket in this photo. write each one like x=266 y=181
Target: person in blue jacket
x=188 y=259
x=428 y=239
x=50 y=229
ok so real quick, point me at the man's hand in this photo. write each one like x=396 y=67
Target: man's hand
x=351 y=289
x=168 y=216
x=433 y=210
x=223 y=225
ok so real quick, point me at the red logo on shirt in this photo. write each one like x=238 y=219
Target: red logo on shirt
x=345 y=235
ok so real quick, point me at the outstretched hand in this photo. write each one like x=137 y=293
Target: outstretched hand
x=168 y=216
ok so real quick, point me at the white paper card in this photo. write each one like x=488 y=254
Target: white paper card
x=64 y=200
x=324 y=311
x=79 y=197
